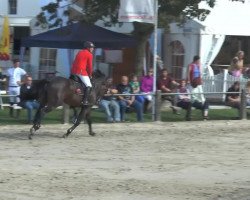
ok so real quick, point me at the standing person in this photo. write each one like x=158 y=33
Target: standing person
x=127 y=101
x=165 y=84
x=82 y=67
x=237 y=64
x=15 y=74
x=194 y=70
x=109 y=103
x=198 y=100
x=28 y=98
x=147 y=87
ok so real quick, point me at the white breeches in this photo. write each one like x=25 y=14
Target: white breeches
x=14 y=91
x=85 y=80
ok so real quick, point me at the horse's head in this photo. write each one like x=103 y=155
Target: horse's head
x=99 y=84
x=97 y=74
x=39 y=88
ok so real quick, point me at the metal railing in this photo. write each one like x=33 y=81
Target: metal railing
x=157 y=101
x=159 y=94
x=156 y=115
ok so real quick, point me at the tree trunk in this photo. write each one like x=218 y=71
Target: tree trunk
x=142 y=32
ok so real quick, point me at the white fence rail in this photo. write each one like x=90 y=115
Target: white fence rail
x=220 y=83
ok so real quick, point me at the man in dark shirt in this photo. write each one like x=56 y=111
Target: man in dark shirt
x=127 y=101
x=28 y=98
x=165 y=84
x=110 y=104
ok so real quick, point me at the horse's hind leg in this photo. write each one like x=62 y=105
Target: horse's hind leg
x=76 y=123
x=38 y=118
x=74 y=114
x=89 y=121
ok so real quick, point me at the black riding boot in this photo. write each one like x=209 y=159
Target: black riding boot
x=86 y=95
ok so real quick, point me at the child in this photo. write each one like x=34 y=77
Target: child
x=135 y=84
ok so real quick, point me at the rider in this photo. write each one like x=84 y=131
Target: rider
x=82 y=67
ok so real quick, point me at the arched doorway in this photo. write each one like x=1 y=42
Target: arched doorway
x=177 y=59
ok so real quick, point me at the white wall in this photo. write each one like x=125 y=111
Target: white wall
x=25 y=8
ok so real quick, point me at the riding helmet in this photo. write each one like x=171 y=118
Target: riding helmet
x=88 y=44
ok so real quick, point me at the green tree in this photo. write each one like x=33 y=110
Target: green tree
x=107 y=10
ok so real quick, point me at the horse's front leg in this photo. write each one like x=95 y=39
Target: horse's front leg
x=89 y=121
x=76 y=122
x=36 y=123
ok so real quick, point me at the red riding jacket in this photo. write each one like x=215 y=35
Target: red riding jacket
x=83 y=63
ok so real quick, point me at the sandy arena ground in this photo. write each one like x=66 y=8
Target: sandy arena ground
x=151 y=161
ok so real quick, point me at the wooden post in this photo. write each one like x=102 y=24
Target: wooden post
x=225 y=76
x=157 y=106
x=243 y=112
x=65 y=119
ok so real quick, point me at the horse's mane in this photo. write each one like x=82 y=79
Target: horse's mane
x=40 y=83
x=39 y=87
x=97 y=74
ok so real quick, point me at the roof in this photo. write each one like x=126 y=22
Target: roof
x=73 y=37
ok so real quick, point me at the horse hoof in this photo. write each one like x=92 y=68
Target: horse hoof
x=92 y=133
x=65 y=135
x=32 y=132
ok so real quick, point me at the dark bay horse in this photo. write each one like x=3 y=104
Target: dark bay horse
x=61 y=91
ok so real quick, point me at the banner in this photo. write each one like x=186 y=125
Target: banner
x=137 y=11
x=5 y=41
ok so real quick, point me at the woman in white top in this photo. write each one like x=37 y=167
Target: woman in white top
x=198 y=99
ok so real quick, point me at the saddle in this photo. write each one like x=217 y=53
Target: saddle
x=79 y=86
x=75 y=78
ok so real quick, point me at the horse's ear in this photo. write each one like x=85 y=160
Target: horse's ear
x=98 y=74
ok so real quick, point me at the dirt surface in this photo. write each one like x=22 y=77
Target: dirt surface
x=151 y=161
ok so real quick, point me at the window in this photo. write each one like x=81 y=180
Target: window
x=47 y=63
x=19 y=32
x=12 y=7
x=177 y=59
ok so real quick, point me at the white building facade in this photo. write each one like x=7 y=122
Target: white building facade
x=20 y=13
